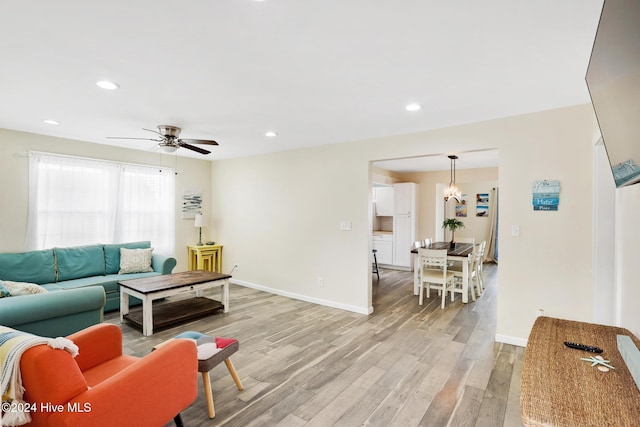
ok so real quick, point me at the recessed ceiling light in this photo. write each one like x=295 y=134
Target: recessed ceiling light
x=106 y=84
x=51 y=122
x=413 y=107
x=270 y=134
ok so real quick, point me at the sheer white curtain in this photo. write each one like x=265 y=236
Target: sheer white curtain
x=146 y=207
x=491 y=253
x=76 y=201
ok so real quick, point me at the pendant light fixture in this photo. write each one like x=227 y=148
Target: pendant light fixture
x=452 y=191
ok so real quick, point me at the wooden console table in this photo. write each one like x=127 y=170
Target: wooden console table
x=205 y=257
x=559 y=389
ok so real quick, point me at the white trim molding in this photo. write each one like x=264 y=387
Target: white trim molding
x=319 y=301
x=505 y=339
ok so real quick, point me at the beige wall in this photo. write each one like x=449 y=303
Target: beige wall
x=278 y=215
x=14 y=174
x=627 y=238
x=279 y=218
x=470 y=181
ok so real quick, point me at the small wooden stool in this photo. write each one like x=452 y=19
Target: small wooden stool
x=228 y=346
x=225 y=347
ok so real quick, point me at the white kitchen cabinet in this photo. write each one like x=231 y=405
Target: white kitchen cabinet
x=404 y=198
x=404 y=223
x=384 y=246
x=384 y=201
x=399 y=202
x=403 y=236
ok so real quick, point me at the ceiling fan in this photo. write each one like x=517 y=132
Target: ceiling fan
x=169 y=142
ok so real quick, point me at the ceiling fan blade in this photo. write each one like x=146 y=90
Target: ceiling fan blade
x=194 y=148
x=154 y=131
x=126 y=137
x=199 y=141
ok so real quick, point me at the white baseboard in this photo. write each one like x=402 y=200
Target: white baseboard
x=328 y=303
x=395 y=267
x=520 y=342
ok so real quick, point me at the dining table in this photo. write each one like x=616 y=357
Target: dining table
x=457 y=252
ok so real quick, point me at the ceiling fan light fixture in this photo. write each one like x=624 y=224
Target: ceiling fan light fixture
x=108 y=85
x=168 y=148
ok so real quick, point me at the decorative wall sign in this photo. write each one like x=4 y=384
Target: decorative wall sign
x=546 y=195
x=191 y=202
x=482 y=204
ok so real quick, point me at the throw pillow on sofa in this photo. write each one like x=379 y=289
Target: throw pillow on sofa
x=135 y=260
x=4 y=292
x=22 y=288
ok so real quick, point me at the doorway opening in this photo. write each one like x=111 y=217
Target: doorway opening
x=477 y=176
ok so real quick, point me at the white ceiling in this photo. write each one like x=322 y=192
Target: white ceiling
x=316 y=72
x=439 y=162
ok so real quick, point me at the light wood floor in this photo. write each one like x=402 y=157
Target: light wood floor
x=404 y=365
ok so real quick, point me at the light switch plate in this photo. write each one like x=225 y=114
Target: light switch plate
x=345 y=225
x=515 y=230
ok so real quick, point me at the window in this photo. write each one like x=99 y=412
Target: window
x=76 y=201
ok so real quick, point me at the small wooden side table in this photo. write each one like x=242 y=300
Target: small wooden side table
x=205 y=257
x=226 y=347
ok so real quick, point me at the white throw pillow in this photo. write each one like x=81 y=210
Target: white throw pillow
x=23 y=288
x=135 y=260
x=206 y=351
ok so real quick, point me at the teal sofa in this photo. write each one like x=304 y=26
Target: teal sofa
x=64 y=269
x=54 y=314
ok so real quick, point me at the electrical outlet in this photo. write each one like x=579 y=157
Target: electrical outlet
x=321 y=282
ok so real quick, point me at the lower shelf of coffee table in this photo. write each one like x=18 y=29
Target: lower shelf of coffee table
x=175 y=312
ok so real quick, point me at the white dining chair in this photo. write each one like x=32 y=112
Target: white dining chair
x=471 y=240
x=434 y=273
x=481 y=253
x=474 y=278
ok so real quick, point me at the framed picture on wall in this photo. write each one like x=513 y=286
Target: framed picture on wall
x=482 y=211
x=191 y=202
x=482 y=204
x=461 y=208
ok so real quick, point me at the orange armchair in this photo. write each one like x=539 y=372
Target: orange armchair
x=103 y=387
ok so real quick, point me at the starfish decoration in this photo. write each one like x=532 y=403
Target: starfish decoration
x=598 y=360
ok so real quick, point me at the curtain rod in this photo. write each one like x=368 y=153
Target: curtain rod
x=69 y=156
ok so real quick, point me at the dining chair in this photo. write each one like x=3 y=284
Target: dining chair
x=434 y=273
x=472 y=272
x=426 y=242
x=417 y=244
x=481 y=253
x=471 y=240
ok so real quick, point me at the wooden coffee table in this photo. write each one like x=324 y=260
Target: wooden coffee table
x=152 y=288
